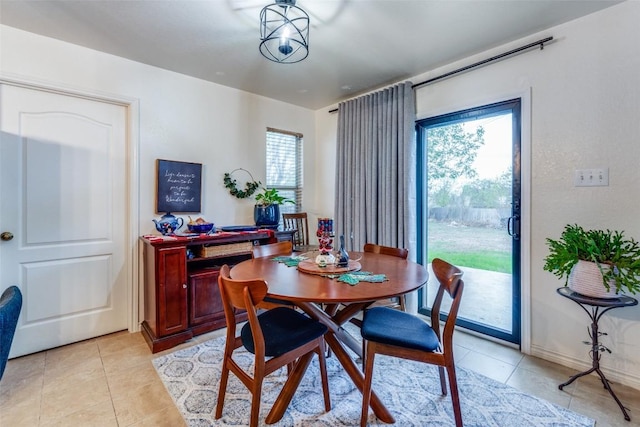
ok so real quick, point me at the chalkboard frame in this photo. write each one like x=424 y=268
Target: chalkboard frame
x=188 y=197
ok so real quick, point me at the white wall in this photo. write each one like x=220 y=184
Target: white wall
x=585 y=113
x=181 y=118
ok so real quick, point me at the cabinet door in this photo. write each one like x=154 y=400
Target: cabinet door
x=172 y=290
x=205 y=304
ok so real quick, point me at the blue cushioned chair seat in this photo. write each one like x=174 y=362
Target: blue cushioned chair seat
x=284 y=329
x=388 y=326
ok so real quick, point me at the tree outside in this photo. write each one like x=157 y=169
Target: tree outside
x=467 y=211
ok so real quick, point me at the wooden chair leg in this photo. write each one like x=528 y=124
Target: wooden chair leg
x=403 y=302
x=256 y=392
x=323 y=374
x=443 y=381
x=455 y=398
x=222 y=389
x=366 y=387
x=364 y=353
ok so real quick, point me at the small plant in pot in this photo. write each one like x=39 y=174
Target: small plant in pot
x=596 y=263
x=266 y=212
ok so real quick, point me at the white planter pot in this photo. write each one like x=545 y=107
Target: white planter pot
x=586 y=279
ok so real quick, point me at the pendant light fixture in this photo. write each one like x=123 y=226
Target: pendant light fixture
x=284 y=32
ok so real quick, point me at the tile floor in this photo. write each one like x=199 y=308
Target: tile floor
x=109 y=381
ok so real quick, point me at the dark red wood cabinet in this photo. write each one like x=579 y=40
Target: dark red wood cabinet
x=205 y=305
x=181 y=295
x=172 y=291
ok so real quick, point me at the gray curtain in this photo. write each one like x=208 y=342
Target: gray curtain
x=375 y=145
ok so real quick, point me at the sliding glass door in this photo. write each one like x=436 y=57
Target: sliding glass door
x=469 y=211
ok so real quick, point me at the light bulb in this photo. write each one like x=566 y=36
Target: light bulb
x=285 y=47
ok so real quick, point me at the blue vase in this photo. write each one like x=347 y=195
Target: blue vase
x=342 y=260
x=266 y=216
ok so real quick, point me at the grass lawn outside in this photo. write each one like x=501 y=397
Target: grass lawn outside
x=477 y=247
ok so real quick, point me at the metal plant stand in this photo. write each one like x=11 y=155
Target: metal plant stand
x=595 y=304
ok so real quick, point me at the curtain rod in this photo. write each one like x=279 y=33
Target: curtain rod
x=540 y=43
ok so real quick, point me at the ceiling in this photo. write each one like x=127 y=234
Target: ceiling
x=355 y=45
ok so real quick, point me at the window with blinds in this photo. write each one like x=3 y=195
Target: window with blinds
x=284 y=166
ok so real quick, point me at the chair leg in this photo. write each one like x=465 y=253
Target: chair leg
x=323 y=374
x=331 y=310
x=366 y=387
x=443 y=381
x=455 y=398
x=364 y=353
x=403 y=302
x=256 y=392
x=222 y=389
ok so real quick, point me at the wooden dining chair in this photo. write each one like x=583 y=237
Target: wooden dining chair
x=398 y=302
x=399 y=334
x=297 y=221
x=274 y=249
x=277 y=337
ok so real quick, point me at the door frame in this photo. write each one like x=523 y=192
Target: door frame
x=525 y=204
x=132 y=105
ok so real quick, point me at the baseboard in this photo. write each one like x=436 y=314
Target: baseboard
x=613 y=375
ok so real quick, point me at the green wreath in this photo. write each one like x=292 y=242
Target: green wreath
x=249 y=188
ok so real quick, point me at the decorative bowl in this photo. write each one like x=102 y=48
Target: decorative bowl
x=200 y=228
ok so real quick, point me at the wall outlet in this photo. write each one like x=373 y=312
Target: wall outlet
x=592 y=177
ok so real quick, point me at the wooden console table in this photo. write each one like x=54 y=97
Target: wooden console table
x=596 y=348
x=181 y=296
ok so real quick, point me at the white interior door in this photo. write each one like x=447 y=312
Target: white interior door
x=63 y=193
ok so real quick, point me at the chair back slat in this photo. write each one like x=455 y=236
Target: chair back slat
x=273 y=249
x=448 y=275
x=450 y=279
x=399 y=302
x=386 y=250
x=297 y=221
x=234 y=289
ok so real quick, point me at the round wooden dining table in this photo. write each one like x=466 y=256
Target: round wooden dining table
x=334 y=303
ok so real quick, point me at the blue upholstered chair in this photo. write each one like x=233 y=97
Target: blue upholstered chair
x=277 y=337
x=10 y=305
x=396 y=333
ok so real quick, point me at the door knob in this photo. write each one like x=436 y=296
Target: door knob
x=6 y=236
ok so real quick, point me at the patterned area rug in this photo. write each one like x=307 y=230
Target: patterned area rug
x=410 y=390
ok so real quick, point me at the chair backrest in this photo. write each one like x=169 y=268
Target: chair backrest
x=450 y=279
x=274 y=249
x=243 y=295
x=240 y=294
x=386 y=250
x=299 y=222
x=10 y=306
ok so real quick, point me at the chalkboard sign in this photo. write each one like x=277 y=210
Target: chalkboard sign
x=179 y=186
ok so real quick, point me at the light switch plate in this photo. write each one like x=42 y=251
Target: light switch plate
x=592 y=177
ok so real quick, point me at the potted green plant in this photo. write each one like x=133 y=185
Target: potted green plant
x=597 y=263
x=266 y=212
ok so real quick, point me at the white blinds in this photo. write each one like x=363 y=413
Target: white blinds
x=284 y=166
